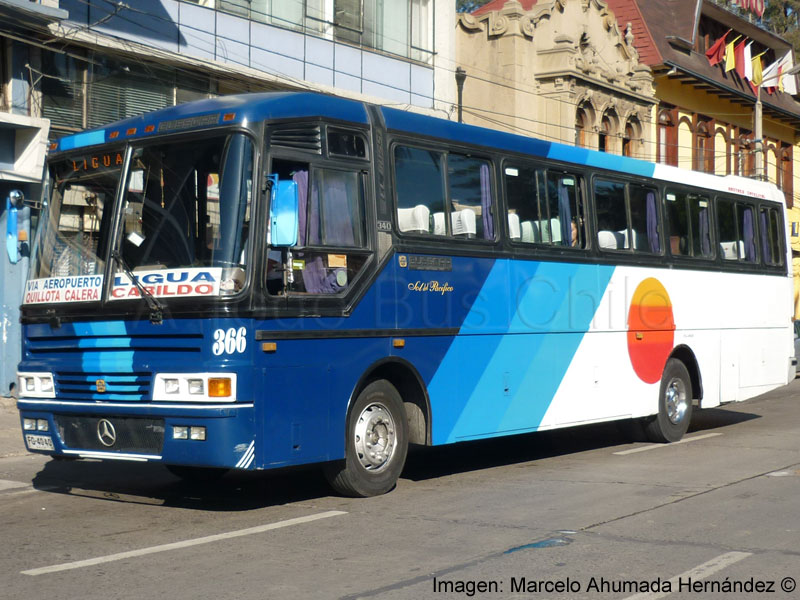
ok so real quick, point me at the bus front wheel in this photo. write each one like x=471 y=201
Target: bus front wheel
x=674 y=405
x=376 y=444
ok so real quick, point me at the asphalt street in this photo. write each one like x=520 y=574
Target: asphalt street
x=579 y=513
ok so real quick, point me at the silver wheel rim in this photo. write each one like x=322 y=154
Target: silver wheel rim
x=676 y=400
x=375 y=437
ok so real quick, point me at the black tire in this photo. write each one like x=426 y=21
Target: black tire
x=376 y=443
x=196 y=474
x=674 y=405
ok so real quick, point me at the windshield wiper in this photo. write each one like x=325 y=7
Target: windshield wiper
x=156 y=308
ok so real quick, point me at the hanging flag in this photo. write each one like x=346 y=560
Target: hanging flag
x=716 y=53
x=775 y=75
x=758 y=76
x=738 y=53
x=748 y=62
x=730 y=58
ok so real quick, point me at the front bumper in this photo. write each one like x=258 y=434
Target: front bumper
x=118 y=431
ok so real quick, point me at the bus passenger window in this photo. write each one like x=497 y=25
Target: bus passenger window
x=745 y=215
x=736 y=224
x=565 y=206
x=645 y=220
x=420 y=191
x=688 y=222
x=544 y=207
x=627 y=217
x=612 y=220
x=470 y=197
x=521 y=195
x=770 y=229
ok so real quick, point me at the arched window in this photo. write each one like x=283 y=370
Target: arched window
x=631 y=138
x=745 y=160
x=722 y=152
x=667 y=142
x=702 y=160
x=607 y=130
x=582 y=126
x=772 y=163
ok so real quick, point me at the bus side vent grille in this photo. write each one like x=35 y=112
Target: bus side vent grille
x=302 y=138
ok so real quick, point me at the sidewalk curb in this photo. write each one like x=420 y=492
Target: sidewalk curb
x=8 y=403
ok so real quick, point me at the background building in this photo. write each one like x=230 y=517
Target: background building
x=706 y=117
x=562 y=70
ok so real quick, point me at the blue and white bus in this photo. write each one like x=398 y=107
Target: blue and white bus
x=269 y=280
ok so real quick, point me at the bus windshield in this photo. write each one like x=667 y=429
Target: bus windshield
x=185 y=216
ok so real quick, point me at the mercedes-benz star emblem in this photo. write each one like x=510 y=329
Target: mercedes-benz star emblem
x=106 y=432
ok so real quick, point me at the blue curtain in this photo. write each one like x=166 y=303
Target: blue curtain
x=565 y=213
x=749 y=236
x=768 y=258
x=652 y=224
x=337 y=223
x=486 y=203
x=705 y=232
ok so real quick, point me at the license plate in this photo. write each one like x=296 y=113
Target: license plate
x=39 y=442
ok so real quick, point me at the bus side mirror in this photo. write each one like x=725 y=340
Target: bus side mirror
x=283 y=213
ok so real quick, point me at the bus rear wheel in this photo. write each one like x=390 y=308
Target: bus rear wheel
x=674 y=405
x=376 y=444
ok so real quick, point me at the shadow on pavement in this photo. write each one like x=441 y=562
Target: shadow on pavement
x=239 y=490
x=429 y=463
x=146 y=483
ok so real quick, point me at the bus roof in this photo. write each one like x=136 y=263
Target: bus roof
x=243 y=108
x=223 y=110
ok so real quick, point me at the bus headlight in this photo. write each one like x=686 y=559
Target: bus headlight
x=36 y=385
x=194 y=387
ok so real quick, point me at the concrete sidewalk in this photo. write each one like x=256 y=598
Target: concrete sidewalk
x=11 y=443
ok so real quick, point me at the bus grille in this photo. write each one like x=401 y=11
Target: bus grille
x=131 y=435
x=107 y=387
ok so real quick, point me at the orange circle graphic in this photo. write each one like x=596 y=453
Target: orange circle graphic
x=651 y=330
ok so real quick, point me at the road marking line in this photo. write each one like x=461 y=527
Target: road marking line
x=184 y=544
x=7 y=484
x=699 y=572
x=655 y=446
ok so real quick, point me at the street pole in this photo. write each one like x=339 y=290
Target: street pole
x=759 y=136
x=461 y=76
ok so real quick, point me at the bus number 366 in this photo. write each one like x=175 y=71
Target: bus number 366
x=228 y=341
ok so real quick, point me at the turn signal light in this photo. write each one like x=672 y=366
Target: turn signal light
x=219 y=387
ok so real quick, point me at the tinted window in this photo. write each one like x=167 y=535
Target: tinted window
x=688 y=217
x=770 y=228
x=420 y=189
x=344 y=143
x=736 y=224
x=470 y=198
x=627 y=217
x=544 y=206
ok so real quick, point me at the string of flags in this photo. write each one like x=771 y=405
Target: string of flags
x=738 y=57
